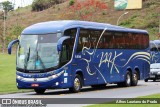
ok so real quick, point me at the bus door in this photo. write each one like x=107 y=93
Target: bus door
x=84 y=58
x=85 y=64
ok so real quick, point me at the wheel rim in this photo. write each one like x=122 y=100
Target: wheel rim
x=128 y=79
x=77 y=84
x=135 y=77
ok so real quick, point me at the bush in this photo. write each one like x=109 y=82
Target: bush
x=71 y=2
x=39 y=5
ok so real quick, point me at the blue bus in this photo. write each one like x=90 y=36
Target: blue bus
x=71 y=54
x=155 y=51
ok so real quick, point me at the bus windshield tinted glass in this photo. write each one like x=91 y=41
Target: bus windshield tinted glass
x=38 y=52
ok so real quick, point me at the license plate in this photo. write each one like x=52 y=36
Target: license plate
x=34 y=85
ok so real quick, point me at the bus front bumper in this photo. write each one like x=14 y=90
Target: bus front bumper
x=51 y=82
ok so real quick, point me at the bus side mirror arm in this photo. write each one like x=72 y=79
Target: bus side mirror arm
x=11 y=44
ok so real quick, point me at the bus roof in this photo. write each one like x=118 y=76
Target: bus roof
x=62 y=25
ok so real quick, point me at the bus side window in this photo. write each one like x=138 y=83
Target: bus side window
x=83 y=40
x=65 y=54
x=146 y=39
x=135 y=41
x=111 y=42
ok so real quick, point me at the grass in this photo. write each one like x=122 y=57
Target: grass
x=8 y=74
x=130 y=105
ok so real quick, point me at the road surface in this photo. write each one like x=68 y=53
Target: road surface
x=110 y=91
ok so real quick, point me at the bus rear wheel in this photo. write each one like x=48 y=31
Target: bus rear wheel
x=77 y=84
x=127 y=81
x=134 y=80
x=40 y=91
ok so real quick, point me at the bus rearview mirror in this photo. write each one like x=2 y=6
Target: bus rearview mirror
x=60 y=42
x=11 y=44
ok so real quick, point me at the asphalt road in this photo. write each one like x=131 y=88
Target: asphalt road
x=110 y=91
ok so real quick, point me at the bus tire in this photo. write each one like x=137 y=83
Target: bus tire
x=146 y=80
x=40 y=91
x=127 y=81
x=77 y=84
x=134 y=80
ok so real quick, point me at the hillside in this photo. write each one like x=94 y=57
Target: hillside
x=146 y=18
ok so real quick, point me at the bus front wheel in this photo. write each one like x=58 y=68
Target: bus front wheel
x=77 y=84
x=40 y=91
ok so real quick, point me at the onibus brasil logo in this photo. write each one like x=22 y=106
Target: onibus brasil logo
x=22 y=102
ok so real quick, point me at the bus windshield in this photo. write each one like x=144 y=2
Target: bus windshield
x=38 y=52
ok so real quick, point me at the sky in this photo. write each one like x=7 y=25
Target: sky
x=19 y=3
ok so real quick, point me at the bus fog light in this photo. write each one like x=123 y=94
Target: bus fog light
x=17 y=84
x=57 y=83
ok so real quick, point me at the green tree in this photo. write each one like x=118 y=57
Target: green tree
x=7 y=6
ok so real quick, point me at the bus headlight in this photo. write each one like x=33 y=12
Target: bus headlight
x=56 y=75
x=19 y=77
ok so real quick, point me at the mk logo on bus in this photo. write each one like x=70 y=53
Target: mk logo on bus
x=107 y=58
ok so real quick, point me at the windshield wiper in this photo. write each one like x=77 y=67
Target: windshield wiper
x=27 y=59
x=39 y=58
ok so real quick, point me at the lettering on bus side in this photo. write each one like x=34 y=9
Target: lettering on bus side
x=78 y=56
